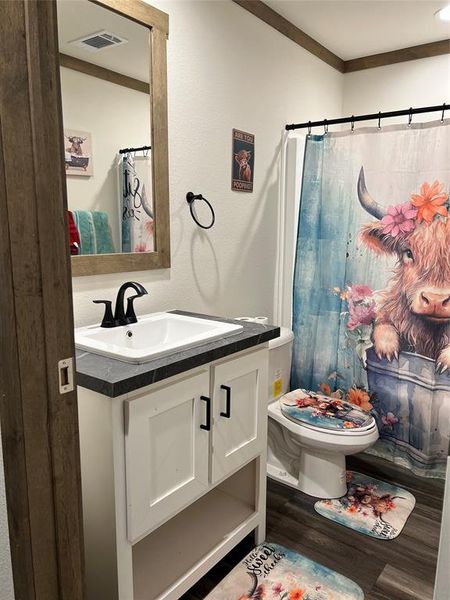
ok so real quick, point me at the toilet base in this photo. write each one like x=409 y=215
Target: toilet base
x=315 y=472
x=320 y=476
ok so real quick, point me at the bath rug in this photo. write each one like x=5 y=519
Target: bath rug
x=371 y=506
x=272 y=572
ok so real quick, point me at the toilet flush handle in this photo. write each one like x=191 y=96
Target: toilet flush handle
x=227 y=413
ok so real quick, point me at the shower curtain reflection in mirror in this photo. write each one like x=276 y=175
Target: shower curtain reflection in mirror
x=137 y=215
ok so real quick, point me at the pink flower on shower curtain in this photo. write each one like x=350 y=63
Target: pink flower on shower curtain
x=361 y=306
x=399 y=219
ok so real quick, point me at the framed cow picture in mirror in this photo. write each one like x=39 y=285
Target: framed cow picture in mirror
x=78 y=153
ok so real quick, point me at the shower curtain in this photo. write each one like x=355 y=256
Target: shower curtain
x=136 y=210
x=371 y=305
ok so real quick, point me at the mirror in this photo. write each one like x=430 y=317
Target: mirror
x=114 y=105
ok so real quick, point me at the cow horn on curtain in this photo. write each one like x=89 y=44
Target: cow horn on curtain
x=371 y=313
x=366 y=200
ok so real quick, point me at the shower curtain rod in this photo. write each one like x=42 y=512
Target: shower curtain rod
x=127 y=150
x=380 y=115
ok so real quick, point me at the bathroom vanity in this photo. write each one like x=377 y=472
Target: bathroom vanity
x=173 y=462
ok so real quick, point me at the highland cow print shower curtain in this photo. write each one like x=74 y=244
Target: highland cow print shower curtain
x=372 y=283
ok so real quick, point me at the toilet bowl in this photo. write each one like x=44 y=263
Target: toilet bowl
x=309 y=455
x=311 y=458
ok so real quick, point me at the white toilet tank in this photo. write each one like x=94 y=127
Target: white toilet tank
x=280 y=357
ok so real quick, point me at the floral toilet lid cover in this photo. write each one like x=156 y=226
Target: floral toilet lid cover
x=322 y=411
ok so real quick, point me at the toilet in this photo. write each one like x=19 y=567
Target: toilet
x=310 y=434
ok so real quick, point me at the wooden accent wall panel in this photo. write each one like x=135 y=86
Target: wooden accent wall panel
x=39 y=425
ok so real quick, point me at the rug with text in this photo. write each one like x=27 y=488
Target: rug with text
x=371 y=506
x=272 y=572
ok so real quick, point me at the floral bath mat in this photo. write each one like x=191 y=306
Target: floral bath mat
x=272 y=572
x=371 y=506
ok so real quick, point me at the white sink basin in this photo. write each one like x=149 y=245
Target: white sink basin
x=153 y=336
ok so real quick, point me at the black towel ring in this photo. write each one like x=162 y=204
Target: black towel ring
x=190 y=198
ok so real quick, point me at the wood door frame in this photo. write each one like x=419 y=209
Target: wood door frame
x=39 y=424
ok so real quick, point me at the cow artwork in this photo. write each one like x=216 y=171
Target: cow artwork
x=243 y=161
x=413 y=311
x=76 y=145
x=78 y=154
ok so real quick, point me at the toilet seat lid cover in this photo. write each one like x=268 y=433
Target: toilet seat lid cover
x=322 y=411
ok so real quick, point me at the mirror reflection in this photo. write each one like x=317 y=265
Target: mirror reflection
x=105 y=73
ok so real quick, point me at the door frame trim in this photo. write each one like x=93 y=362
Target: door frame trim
x=39 y=424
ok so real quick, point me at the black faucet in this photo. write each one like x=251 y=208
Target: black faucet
x=122 y=317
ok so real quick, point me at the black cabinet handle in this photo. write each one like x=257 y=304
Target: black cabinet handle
x=227 y=412
x=207 y=426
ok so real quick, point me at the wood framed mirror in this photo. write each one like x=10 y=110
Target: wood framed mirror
x=113 y=73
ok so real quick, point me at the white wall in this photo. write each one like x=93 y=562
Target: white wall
x=225 y=69
x=116 y=117
x=416 y=83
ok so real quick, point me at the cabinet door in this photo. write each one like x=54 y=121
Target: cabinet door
x=166 y=452
x=239 y=430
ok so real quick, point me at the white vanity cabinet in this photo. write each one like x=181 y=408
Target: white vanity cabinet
x=239 y=413
x=173 y=477
x=166 y=451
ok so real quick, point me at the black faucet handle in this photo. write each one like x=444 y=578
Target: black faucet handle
x=108 y=319
x=130 y=315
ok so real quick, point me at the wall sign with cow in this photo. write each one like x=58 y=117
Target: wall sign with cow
x=78 y=153
x=243 y=161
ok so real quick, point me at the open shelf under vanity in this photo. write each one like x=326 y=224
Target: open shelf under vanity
x=170 y=559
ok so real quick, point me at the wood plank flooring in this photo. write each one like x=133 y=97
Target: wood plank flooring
x=399 y=569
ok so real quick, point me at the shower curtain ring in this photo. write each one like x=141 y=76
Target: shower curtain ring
x=353 y=124
x=410 y=116
x=379 y=120
x=443 y=111
x=309 y=128
x=325 y=127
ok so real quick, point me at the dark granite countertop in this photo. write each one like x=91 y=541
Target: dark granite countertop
x=113 y=377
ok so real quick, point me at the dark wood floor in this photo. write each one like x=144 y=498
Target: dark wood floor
x=399 y=569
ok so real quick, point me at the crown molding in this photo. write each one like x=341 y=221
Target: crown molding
x=76 y=64
x=271 y=17
x=397 y=56
x=284 y=26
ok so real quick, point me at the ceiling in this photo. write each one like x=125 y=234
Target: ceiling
x=79 y=18
x=349 y=28
x=355 y=28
